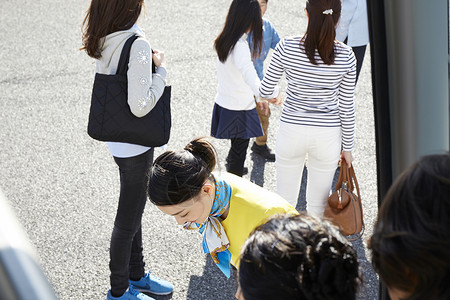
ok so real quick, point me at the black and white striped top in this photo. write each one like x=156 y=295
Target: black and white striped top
x=317 y=95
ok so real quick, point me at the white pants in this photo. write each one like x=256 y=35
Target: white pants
x=323 y=146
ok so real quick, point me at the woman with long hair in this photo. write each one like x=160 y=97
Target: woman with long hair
x=106 y=28
x=318 y=115
x=235 y=116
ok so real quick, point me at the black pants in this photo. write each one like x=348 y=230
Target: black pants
x=126 y=259
x=360 y=52
x=236 y=156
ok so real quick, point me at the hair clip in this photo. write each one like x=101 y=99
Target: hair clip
x=328 y=12
x=274 y=244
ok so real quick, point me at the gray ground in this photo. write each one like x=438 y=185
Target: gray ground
x=64 y=186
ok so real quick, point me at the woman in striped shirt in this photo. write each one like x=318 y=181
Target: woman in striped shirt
x=318 y=116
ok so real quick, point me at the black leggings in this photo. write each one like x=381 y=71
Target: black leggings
x=126 y=259
x=236 y=156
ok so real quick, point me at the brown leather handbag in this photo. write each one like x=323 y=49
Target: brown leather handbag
x=344 y=208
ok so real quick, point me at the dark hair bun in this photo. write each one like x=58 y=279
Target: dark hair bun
x=177 y=176
x=204 y=150
x=331 y=270
x=298 y=257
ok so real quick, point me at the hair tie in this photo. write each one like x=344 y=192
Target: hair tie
x=328 y=12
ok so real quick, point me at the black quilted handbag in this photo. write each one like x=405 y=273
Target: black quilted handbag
x=110 y=117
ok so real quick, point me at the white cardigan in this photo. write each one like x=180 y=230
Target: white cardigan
x=237 y=81
x=144 y=88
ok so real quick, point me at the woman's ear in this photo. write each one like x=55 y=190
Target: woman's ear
x=208 y=188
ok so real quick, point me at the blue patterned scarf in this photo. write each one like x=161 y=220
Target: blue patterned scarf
x=215 y=240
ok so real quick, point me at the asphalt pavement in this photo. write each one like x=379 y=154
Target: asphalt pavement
x=64 y=186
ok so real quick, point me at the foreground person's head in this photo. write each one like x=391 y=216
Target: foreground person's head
x=411 y=239
x=298 y=257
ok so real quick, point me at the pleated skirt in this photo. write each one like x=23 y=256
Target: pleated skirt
x=228 y=124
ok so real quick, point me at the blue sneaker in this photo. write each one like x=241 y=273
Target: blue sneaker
x=130 y=294
x=152 y=284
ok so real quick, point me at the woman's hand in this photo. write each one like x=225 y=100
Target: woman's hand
x=279 y=99
x=159 y=58
x=348 y=157
x=276 y=101
x=264 y=106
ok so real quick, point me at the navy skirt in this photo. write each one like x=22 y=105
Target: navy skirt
x=228 y=124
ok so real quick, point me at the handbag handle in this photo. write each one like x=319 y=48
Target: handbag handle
x=347 y=175
x=122 y=68
x=343 y=177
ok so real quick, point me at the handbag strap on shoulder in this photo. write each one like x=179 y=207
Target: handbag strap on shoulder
x=125 y=56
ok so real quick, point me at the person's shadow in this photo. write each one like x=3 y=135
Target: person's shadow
x=257 y=174
x=369 y=287
x=257 y=177
x=213 y=284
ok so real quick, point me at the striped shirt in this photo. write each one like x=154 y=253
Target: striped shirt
x=317 y=95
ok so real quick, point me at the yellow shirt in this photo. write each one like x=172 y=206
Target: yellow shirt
x=250 y=206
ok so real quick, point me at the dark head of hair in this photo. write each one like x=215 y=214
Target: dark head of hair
x=178 y=176
x=411 y=239
x=107 y=16
x=243 y=15
x=321 y=30
x=298 y=257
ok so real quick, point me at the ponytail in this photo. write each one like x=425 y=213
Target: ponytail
x=321 y=32
x=179 y=176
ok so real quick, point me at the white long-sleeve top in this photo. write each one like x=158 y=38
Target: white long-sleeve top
x=144 y=88
x=237 y=81
x=353 y=24
x=317 y=95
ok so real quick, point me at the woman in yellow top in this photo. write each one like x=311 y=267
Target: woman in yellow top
x=224 y=207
